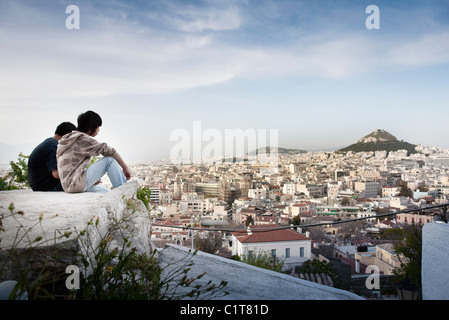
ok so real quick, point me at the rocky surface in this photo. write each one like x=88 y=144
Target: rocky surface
x=52 y=223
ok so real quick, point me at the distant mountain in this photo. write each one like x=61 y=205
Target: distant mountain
x=379 y=140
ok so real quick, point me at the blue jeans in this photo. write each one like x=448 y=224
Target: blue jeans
x=98 y=169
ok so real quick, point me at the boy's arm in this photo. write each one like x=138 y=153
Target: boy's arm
x=122 y=164
x=104 y=149
x=55 y=174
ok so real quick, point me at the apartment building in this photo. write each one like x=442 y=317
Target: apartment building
x=413 y=218
x=382 y=256
x=241 y=215
x=190 y=201
x=165 y=196
x=155 y=193
x=289 y=188
x=368 y=214
x=312 y=190
x=390 y=191
x=207 y=188
x=258 y=194
x=299 y=208
x=367 y=189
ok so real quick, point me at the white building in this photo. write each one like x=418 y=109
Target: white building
x=289 y=188
x=367 y=189
x=299 y=208
x=292 y=247
x=190 y=202
x=258 y=194
x=368 y=214
x=155 y=193
x=390 y=191
x=166 y=210
x=220 y=208
x=311 y=190
x=165 y=196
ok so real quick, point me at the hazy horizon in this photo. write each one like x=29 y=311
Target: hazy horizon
x=11 y=152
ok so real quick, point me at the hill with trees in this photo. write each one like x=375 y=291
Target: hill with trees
x=380 y=140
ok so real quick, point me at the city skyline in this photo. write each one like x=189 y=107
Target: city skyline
x=313 y=71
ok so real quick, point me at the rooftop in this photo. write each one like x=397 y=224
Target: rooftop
x=257 y=234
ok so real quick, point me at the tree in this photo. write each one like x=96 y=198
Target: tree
x=210 y=244
x=319 y=266
x=423 y=188
x=263 y=259
x=249 y=220
x=296 y=220
x=405 y=190
x=409 y=251
x=345 y=201
x=392 y=234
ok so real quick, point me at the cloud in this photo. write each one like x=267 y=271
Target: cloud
x=118 y=54
x=430 y=49
x=204 y=19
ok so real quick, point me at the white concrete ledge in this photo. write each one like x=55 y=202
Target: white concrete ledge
x=64 y=213
x=246 y=282
x=61 y=212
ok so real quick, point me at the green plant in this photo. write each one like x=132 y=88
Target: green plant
x=263 y=259
x=120 y=271
x=93 y=160
x=319 y=266
x=143 y=194
x=17 y=178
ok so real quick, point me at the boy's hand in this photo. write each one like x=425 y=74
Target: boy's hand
x=127 y=173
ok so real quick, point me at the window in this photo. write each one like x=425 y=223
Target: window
x=301 y=252
x=273 y=253
x=287 y=252
x=250 y=254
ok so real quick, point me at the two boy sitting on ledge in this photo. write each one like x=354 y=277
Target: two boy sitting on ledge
x=62 y=163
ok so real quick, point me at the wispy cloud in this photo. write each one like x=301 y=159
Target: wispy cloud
x=100 y=62
x=429 y=49
x=200 y=19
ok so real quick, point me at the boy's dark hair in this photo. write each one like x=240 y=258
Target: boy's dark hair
x=64 y=128
x=89 y=121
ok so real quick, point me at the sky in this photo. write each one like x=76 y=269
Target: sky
x=311 y=70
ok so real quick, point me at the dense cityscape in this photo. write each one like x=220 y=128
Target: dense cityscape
x=315 y=190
